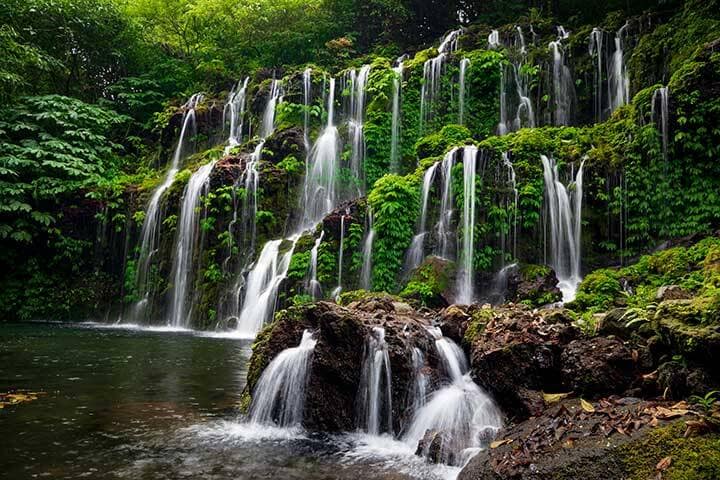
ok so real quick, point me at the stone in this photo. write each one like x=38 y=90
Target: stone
x=598 y=365
x=672 y=292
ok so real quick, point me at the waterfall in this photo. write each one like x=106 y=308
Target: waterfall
x=466 y=287
x=444 y=226
x=421 y=380
x=516 y=109
x=150 y=232
x=356 y=123
x=314 y=288
x=235 y=106
x=565 y=211
x=619 y=81
x=307 y=92
x=338 y=289
x=499 y=286
x=663 y=96
x=464 y=63
x=416 y=252
x=513 y=184
x=279 y=395
x=432 y=71
x=188 y=230
x=366 y=272
x=375 y=398
x=262 y=286
x=520 y=41
x=563 y=91
x=320 y=190
x=461 y=413
x=494 y=40
x=268 y=119
x=395 y=125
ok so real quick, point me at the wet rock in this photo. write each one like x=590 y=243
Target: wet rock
x=431 y=284
x=431 y=447
x=672 y=292
x=597 y=365
x=286 y=143
x=677 y=381
x=534 y=284
x=682 y=327
x=454 y=322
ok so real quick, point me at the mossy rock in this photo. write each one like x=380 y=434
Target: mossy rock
x=680 y=325
x=431 y=283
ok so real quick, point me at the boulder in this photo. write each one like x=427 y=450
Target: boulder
x=533 y=284
x=672 y=292
x=431 y=284
x=598 y=365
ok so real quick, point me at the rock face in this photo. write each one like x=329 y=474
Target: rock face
x=597 y=366
x=336 y=370
x=534 y=284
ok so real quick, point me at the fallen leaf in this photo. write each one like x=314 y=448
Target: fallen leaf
x=587 y=406
x=664 y=464
x=554 y=397
x=500 y=443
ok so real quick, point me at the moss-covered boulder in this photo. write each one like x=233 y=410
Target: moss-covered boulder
x=432 y=282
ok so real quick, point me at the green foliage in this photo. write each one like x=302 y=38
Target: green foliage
x=56 y=148
x=438 y=143
x=394 y=202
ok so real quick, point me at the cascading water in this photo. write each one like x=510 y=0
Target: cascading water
x=563 y=91
x=338 y=289
x=432 y=71
x=466 y=284
x=444 y=226
x=461 y=413
x=235 y=108
x=516 y=110
x=307 y=93
x=513 y=184
x=356 y=123
x=565 y=212
x=618 y=76
x=416 y=252
x=494 y=40
x=661 y=96
x=375 y=396
x=279 y=395
x=188 y=230
x=396 y=110
x=268 y=120
x=464 y=64
x=610 y=64
x=420 y=384
x=320 y=190
x=150 y=232
x=366 y=272
x=262 y=286
x=314 y=289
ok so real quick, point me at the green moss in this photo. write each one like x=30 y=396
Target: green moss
x=696 y=458
x=480 y=318
x=429 y=282
x=439 y=142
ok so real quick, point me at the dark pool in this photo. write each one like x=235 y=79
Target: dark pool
x=132 y=403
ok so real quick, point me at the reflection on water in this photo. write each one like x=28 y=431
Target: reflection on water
x=132 y=403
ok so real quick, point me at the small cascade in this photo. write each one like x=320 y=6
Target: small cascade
x=661 y=96
x=396 y=110
x=565 y=212
x=513 y=184
x=494 y=40
x=516 y=108
x=268 y=119
x=432 y=71
x=563 y=91
x=416 y=252
x=461 y=413
x=188 y=230
x=610 y=64
x=444 y=226
x=307 y=94
x=235 y=109
x=338 y=289
x=262 y=286
x=314 y=289
x=374 y=396
x=421 y=379
x=279 y=396
x=618 y=75
x=356 y=123
x=150 y=232
x=498 y=289
x=520 y=40
x=466 y=283
x=366 y=272
x=464 y=64
x=320 y=190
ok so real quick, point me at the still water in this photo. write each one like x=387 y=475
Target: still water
x=131 y=403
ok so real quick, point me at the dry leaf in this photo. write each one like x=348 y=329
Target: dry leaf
x=554 y=397
x=500 y=443
x=587 y=406
x=664 y=464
